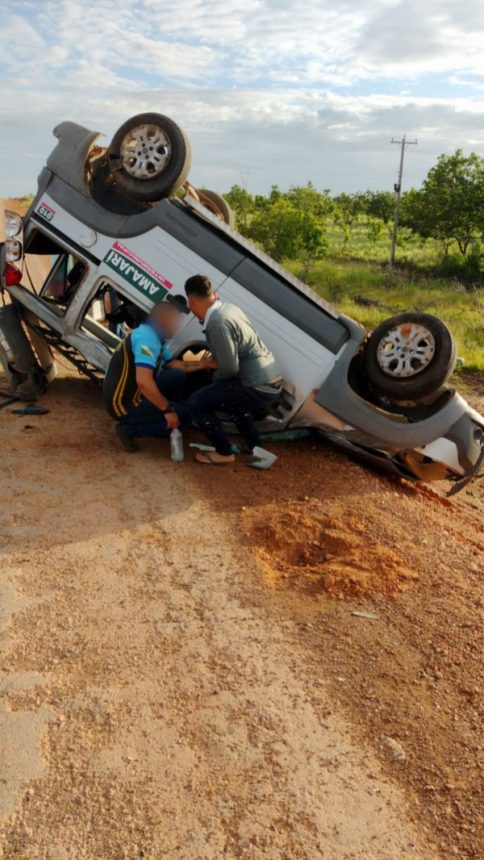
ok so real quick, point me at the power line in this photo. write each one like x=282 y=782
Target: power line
x=398 y=193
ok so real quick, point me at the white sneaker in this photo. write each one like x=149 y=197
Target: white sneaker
x=261 y=459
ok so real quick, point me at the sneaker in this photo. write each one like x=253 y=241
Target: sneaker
x=261 y=459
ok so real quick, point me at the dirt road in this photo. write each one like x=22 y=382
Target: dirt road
x=182 y=672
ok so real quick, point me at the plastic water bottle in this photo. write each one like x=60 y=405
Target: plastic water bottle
x=176 y=445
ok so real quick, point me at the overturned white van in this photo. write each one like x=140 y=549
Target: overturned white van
x=105 y=219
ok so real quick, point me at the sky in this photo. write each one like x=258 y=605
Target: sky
x=268 y=91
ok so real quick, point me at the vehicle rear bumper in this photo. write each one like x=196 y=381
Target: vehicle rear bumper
x=467 y=435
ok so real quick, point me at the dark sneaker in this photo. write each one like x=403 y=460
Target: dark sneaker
x=127 y=441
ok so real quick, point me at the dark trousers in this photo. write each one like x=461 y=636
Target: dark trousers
x=234 y=400
x=147 y=420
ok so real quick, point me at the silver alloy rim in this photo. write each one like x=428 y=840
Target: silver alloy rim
x=145 y=151
x=406 y=350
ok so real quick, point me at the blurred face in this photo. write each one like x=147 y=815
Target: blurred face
x=166 y=318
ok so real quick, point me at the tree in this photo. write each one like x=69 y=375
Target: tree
x=242 y=204
x=379 y=204
x=450 y=205
x=263 y=203
x=307 y=199
x=375 y=229
x=288 y=232
x=347 y=210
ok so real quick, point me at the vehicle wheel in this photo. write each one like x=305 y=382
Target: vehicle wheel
x=409 y=357
x=217 y=204
x=196 y=351
x=149 y=157
x=194 y=381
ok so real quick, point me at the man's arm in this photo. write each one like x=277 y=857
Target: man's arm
x=145 y=381
x=192 y=366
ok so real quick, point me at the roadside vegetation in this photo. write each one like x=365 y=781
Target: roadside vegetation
x=339 y=245
x=369 y=294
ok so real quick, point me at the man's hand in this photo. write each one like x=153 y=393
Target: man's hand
x=172 y=420
x=192 y=366
x=148 y=387
x=209 y=363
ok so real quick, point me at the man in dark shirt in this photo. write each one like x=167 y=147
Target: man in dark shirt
x=144 y=383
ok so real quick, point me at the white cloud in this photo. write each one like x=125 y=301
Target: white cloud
x=254 y=82
x=248 y=40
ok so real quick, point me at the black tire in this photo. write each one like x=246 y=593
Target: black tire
x=217 y=204
x=197 y=347
x=413 y=365
x=199 y=379
x=170 y=163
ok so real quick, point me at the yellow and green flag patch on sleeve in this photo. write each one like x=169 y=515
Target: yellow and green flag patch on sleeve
x=146 y=345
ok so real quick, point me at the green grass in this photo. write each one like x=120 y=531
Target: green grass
x=411 y=249
x=342 y=282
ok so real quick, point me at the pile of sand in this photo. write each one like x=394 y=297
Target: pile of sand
x=301 y=547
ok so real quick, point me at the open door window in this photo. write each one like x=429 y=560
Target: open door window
x=63 y=281
x=54 y=273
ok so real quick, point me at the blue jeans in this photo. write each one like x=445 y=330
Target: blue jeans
x=147 y=420
x=238 y=403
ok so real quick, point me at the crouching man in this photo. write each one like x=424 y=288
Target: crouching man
x=143 y=385
x=247 y=376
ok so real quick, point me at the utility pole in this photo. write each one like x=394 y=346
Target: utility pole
x=398 y=193
x=244 y=176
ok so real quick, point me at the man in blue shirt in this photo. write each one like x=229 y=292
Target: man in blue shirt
x=144 y=383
